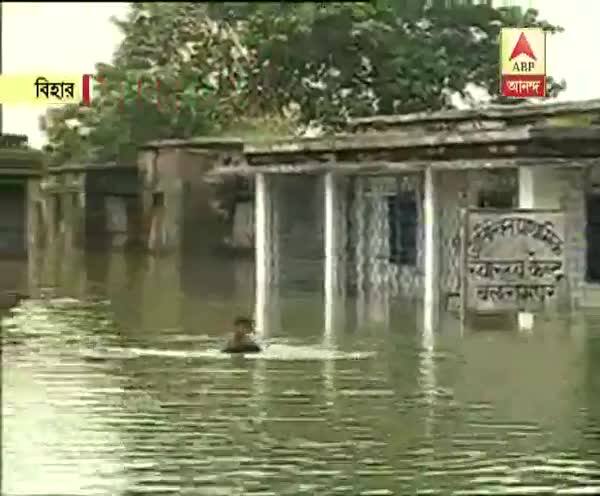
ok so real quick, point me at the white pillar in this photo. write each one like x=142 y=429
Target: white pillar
x=526 y=187
x=427 y=380
x=527 y=199
x=332 y=266
x=331 y=251
x=262 y=242
x=359 y=216
x=33 y=225
x=431 y=296
x=430 y=259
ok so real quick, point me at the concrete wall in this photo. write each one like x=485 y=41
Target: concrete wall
x=182 y=207
x=161 y=199
x=61 y=210
x=96 y=209
x=20 y=247
x=35 y=241
x=544 y=187
x=207 y=218
x=112 y=221
x=20 y=203
x=572 y=199
x=242 y=235
x=112 y=208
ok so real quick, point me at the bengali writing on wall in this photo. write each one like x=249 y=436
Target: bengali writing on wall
x=513 y=259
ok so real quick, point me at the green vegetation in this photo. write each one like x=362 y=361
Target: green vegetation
x=252 y=69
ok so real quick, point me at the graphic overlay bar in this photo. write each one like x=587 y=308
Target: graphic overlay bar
x=42 y=89
x=90 y=88
x=523 y=62
x=86 y=86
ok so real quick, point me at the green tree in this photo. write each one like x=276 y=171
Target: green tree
x=245 y=68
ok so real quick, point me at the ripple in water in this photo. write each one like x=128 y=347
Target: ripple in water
x=270 y=352
x=90 y=407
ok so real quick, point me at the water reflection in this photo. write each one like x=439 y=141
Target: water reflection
x=113 y=384
x=55 y=430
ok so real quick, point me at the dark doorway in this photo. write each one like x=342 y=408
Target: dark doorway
x=13 y=221
x=96 y=236
x=593 y=237
x=402 y=222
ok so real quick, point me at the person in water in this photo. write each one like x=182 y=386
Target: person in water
x=242 y=338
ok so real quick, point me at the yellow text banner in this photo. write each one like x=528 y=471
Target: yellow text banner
x=42 y=89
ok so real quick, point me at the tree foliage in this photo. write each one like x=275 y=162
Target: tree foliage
x=242 y=67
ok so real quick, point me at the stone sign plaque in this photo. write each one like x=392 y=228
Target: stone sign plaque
x=512 y=259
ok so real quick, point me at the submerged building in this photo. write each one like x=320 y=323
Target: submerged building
x=20 y=173
x=21 y=169
x=390 y=194
x=378 y=214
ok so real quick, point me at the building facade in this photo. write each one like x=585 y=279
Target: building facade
x=393 y=189
x=372 y=214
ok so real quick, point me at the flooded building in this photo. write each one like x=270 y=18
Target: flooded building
x=384 y=214
x=385 y=200
x=92 y=206
x=20 y=172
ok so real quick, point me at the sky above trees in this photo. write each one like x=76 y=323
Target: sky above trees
x=82 y=40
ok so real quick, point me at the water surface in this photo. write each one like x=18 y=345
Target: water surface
x=113 y=385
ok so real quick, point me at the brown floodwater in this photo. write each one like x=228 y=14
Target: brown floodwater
x=112 y=384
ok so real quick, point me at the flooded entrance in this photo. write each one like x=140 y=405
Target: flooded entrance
x=12 y=217
x=593 y=236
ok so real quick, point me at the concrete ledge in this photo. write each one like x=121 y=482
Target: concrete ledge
x=24 y=172
x=202 y=142
x=20 y=159
x=67 y=168
x=515 y=113
x=386 y=168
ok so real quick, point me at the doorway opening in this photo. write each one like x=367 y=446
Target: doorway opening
x=402 y=222
x=593 y=237
x=13 y=217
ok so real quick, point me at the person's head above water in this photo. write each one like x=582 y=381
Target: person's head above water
x=242 y=338
x=243 y=325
